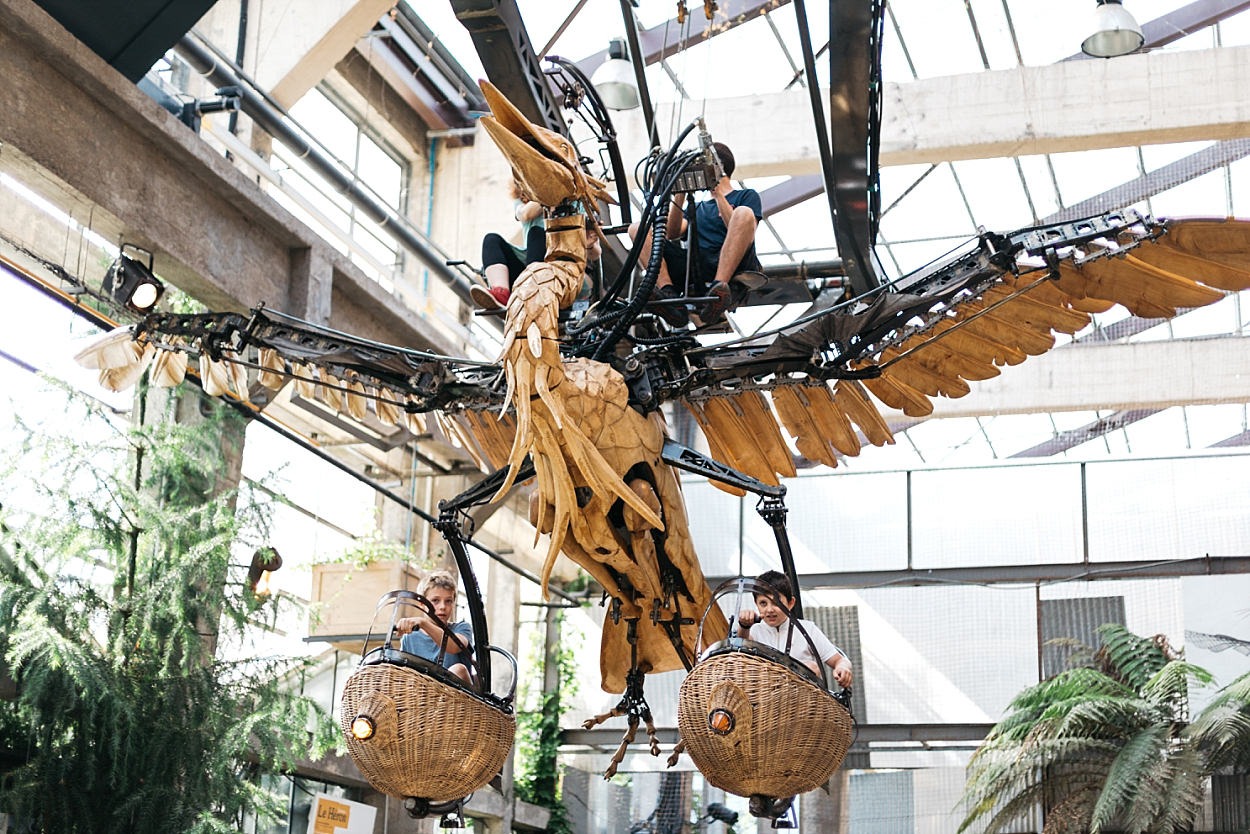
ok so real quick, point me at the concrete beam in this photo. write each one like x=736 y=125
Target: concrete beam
x=1153 y=98
x=78 y=133
x=1141 y=99
x=1150 y=375
x=297 y=44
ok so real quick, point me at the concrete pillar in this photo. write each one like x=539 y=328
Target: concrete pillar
x=312 y=281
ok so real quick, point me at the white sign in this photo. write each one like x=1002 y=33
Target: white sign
x=331 y=815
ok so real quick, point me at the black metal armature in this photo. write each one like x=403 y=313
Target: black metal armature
x=772 y=506
x=485 y=489
x=683 y=457
x=582 y=100
x=452 y=811
x=773 y=511
x=449 y=524
x=849 y=159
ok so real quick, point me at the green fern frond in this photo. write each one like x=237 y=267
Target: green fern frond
x=1131 y=658
x=1222 y=729
x=1174 y=681
x=1128 y=773
x=1103 y=717
x=1183 y=790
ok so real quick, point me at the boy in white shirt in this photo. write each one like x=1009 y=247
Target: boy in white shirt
x=772 y=627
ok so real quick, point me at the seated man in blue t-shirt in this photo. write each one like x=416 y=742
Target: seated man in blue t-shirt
x=724 y=243
x=424 y=638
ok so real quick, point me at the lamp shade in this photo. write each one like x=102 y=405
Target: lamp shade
x=615 y=81
x=1115 y=32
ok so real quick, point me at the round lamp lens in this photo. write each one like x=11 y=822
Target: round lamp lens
x=144 y=296
x=721 y=721
x=362 y=727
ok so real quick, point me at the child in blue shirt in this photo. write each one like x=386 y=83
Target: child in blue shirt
x=424 y=638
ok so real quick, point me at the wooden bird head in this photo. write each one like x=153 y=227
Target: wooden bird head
x=544 y=163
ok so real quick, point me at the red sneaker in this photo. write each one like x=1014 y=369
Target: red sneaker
x=492 y=298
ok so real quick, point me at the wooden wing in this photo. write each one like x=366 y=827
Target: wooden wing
x=367 y=387
x=824 y=379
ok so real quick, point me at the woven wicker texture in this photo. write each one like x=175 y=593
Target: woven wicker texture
x=789 y=735
x=431 y=740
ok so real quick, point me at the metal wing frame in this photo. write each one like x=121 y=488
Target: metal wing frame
x=924 y=335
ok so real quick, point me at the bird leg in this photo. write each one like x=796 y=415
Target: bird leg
x=652 y=738
x=633 y=705
x=678 y=749
x=619 y=755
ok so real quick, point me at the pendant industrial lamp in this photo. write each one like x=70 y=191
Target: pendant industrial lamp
x=615 y=81
x=1116 y=32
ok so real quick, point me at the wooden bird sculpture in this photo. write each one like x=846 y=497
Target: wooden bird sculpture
x=605 y=496
x=583 y=404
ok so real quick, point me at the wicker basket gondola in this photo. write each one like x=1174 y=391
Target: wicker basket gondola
x=788 y=735
x=433 y=739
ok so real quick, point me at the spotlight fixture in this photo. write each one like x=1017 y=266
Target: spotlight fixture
x=1116 y=32
x=265 y=561
x=131 y=284
x=615 y=81
x=363 y=727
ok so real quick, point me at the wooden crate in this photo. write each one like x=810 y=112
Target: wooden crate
x=345 y=597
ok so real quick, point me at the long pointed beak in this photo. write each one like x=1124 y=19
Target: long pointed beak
x=545 y=180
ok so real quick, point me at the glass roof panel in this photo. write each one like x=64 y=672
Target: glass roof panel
x=1050 y=32
x=1156 y=156
x=1011 y=434
x=933 y=206
x=1209 y=191
x=806 y=227
x=1217 y=318
x=995 y=193
x=1239 y=187
x=1039 y=180
x=1235 y=30
x=938 y=36
x=992 y=24
x=1211 y=424
x=1084 y=174
x=1159 y=433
